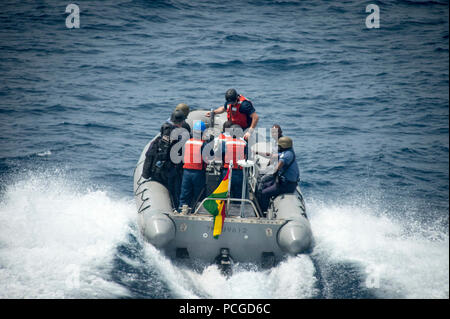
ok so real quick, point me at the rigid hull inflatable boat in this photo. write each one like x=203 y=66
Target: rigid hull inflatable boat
x=248 y=235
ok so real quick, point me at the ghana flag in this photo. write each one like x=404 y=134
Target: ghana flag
x=217 y=207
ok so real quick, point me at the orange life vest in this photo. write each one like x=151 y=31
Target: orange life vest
x=235 y=116
x=193 y=154
x=235 y=151
x=222 y=137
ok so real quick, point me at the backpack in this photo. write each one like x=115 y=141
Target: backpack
x=157 y=158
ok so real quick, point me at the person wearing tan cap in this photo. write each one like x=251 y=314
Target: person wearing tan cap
x=286 y=175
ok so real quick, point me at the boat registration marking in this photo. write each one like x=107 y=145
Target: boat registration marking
x=231 y=219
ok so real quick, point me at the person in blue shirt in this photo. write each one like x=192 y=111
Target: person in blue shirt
x=286 y=174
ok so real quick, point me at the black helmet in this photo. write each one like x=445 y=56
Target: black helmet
x=231 y=96
x=177 y=116
x=183 y=107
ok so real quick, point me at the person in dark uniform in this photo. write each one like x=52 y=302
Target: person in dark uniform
x=286 y=174
x=183 y=107
x=158 y=165
x=175 y=170
x=239 y=110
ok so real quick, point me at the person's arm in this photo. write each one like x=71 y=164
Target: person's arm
x=219 y=110
x=255 y=119
x=278 y=168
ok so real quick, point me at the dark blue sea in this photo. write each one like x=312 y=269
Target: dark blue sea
x=368 y=109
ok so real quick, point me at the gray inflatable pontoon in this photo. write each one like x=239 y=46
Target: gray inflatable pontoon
x=248 y=234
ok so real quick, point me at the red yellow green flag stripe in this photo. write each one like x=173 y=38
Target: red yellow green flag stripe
x=217 y=207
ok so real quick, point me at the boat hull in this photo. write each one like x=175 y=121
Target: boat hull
x=245 y=239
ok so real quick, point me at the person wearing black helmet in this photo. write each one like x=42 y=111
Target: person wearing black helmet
x=180 y=114
x=158 y=165
x=239 y=110
x=175 y=171
x=177 y=116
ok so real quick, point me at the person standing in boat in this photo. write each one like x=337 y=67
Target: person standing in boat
x=286 y=174
x=183 y=107
x=234 y=148
x=174 y=170
x=194 y=167
x=240 y=111
x=158 y=165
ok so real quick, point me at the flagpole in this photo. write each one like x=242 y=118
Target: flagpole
x=246 y=164
x=230 y=172
x=244 y=189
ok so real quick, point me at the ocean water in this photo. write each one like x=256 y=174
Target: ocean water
x=368 y=110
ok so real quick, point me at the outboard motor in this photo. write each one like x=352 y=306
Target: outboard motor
x=225 y=262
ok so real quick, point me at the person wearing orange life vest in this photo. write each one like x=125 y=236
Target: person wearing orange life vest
x=240 y=111
x=234 y=148
x=194 y=167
